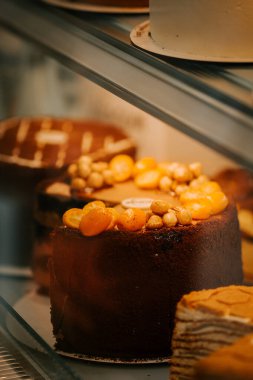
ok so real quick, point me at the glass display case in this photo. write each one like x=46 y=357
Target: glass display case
x=88 y=63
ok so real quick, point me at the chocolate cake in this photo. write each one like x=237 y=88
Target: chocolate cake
x=114 y=294
x=206 y=321
x=234 y=362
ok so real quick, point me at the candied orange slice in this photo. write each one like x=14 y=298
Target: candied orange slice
x=200 y=209
x=144 y=164
x=91 y=205
x=209 y=187
x=191 y=195
x=219 y=201
x=132 y=219
x=114 y=216
x=121 y=167
x=148 y=180
x=95 y=221
x=72 y=217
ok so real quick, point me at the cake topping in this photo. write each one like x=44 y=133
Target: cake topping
x=132 y=219
x=121 y=167
x=194 y=196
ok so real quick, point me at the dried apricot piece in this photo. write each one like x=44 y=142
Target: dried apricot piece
x=219 y=201
x=91 y=205
x=122 y=167
x=95 y=221
x=114 y=217
x=132 y=219
x=144 y=164
x=190 y=196
x=72 y=217
x=209 y=187
x=200 y=209
x=148 y=180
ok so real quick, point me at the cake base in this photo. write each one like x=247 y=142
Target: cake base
x=82 y=6
x=141 y=37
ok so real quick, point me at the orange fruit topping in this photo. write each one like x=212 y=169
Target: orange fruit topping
x=121 y=167
x=95 y=221
x=219 y=201
x=200 y=209
x=132 y=219
x=72 y=217
x=115 y=216
x=209 y=187
x=148 y=180
x=91 y=205
x=191 y=195
x=144 y=164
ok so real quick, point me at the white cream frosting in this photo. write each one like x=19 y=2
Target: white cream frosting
x=215 y=29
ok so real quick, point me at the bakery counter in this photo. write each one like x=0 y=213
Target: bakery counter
x=34 y=309
x=210 y=102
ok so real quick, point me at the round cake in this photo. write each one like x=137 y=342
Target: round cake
x=203 y=30
x=117 y=273
x=113 y=296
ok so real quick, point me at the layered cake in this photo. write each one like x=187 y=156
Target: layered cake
x=117 y=273
x=54 y=197
x=206 y=321
x=203 y=30
x=234 y=362
x=238 y=184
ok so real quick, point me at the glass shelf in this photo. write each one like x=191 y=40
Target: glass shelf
x=210 y=102
x=23 y=354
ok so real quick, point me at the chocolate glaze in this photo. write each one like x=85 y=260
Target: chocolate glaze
x=114 y=295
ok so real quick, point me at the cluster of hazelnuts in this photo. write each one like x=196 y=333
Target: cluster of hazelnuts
x=162 y=213
x=86 y=174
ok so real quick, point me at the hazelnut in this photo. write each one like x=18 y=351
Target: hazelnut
x=85 y=160
x=181 y=189
x=160 y=207
x=165 y=183
x=170 y=218
x=78 y=183
x=72 y=170
x=182 y=173
x=196 y=168
x=154 y=222
x=83 y=170
x=184 y=216
x=198 y=181
x=95 y=180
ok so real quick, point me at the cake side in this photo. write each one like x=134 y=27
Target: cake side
x=114 y=295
